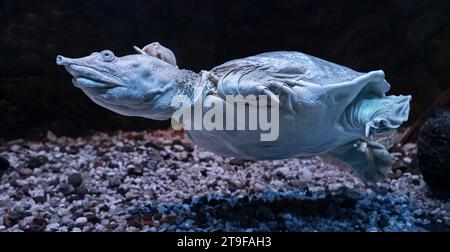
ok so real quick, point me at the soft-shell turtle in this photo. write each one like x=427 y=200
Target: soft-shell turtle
x=323 y=107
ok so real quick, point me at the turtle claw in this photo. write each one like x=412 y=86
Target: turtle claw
x=369 y=159
x=378 y=163
x=138 y=50
x=272 y=96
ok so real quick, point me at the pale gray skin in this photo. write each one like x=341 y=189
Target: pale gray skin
x=324 y=107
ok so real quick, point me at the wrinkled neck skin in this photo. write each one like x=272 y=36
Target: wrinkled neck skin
x=370 y=116
x=158 y=90
x=183 y=83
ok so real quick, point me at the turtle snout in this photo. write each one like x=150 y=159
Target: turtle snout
x=62 y=61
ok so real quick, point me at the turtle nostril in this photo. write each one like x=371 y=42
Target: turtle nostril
x=59 y=60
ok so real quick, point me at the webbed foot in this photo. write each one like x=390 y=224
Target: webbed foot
x=369 y=159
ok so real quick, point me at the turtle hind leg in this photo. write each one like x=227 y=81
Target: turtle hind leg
x=369 y=159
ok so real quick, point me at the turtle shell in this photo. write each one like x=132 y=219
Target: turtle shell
x=298 y=78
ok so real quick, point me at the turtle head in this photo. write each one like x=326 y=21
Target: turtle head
x=133 y=85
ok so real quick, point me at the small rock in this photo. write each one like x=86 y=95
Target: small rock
x=4 y=164
x=178 y=148
x=163 y=227
x=34 y=162
x=71 y=150
x=334 y=187
x=56 y=169
x=113 y=165
x=205 y=155
x=307 y=175
x=66 y=189
x=132 y=229
x=100 y=228
x=394 y=174
x=7 y=221
x=81 y=221
x=134 y=220
x=39 y=223
x=415 y=180
x=153 y=145
x=40 y=199
x=26 y=172
x=92 y=218
x=407 y=160
x=76 y=229
x=287 y=216
x=52 y=227
x=259 y=186
x=75 y=179
x=4 y=200
x=135 y=170
x=282 y=172
x=86 y=229
x=237 y=161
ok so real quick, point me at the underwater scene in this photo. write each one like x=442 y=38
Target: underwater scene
x=225 y=116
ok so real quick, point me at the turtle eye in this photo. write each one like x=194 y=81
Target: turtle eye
x=107 y=56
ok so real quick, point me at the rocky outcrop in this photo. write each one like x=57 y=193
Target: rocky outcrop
x=433 y=152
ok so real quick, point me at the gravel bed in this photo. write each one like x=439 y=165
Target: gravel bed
x=158 y=181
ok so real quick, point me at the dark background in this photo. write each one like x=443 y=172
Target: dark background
x=408 y=39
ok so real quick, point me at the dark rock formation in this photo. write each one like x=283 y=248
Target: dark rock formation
x=433 y=152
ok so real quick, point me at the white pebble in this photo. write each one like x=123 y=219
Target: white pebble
x=81 y=221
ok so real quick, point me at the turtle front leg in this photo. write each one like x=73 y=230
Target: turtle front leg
x=369 y=159
x=156 y=50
